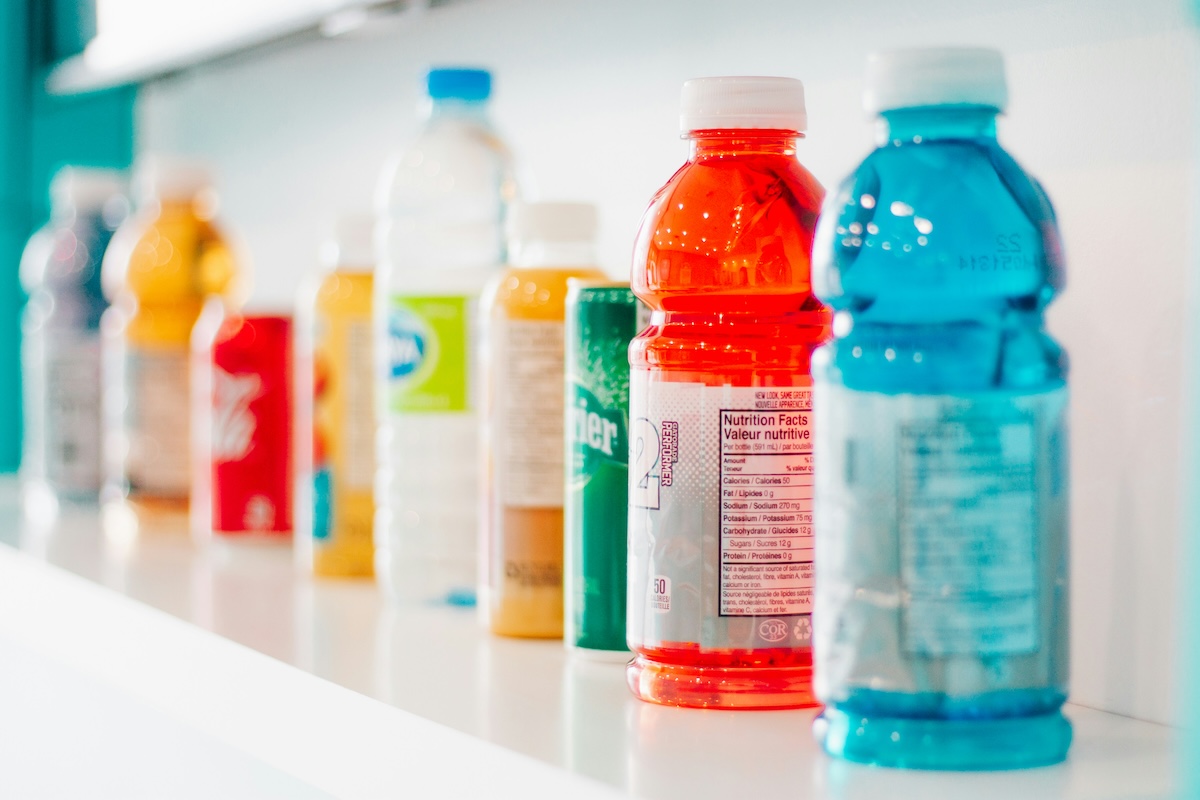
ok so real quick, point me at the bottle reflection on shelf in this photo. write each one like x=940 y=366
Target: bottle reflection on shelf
x=838 y=779
x=120 y=524
x=517 y=676
x=597 y=704
x=144 y=556
x=243 y=591
x=63 y=535
x=447 y=688
x=126 y=526
x=240 y=591
x=336 y=629
x=671 y=752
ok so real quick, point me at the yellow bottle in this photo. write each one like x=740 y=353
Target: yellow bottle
x=523 y=312
x=335 y=412
x=163 y=263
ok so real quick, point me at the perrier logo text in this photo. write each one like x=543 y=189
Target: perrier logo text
x=596 y=434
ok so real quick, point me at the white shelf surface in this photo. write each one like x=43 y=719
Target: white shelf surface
x=180 y=670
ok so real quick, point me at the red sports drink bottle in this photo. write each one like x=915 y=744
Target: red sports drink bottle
x=720 y=518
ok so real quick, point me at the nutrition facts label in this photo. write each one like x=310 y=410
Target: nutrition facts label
x=766 y=479
x=968 y=488
x=528 y=379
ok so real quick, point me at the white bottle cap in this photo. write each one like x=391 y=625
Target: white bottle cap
x=353 y=242
x=935 y=76
x=84 y=188
x=743 y=102
x=552 y=222
x=169 y=178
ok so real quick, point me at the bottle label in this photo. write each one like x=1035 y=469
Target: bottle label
x=343 y=432
x=73 y=416
x=233 y=422
x=596 y=432
x=157 y=415
x=428 y=353
x=527 y=364
x=251 y=436
x=958 y=504
x=720 y=520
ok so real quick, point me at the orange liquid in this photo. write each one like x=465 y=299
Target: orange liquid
x=341 y=357
x=723 y=261
x=523 y=595
x=162 y=265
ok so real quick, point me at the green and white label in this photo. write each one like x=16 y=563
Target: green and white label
x=428 y=353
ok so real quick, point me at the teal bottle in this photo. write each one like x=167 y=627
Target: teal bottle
x=941 y=509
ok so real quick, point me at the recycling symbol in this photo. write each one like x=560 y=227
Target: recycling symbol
x=803 y=629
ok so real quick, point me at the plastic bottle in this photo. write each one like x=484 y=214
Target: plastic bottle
x=524 y=311
x=942 y=489
x=720 y=561
x=335 y=409
x=164 y=262
x=440 y=210
x=60 y=272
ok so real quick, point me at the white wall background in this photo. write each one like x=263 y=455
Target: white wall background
x=1102 y=111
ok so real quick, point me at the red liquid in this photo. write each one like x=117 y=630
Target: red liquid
x=723 y=259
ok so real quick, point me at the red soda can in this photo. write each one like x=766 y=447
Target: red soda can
x=242 y=434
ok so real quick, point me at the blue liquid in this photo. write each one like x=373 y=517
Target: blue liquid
x=941 y=517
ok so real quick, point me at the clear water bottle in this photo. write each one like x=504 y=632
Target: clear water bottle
x=942 y=486
x=440 y=208
x=60 y=271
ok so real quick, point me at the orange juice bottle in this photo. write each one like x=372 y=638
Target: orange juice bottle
x=164 y=262
x=524 y=311
x=335 y=411
x=721 y=476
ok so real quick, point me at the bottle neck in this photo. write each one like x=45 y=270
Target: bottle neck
x=154 y=205
x=534 y=254
x=721 y=143
x=916 y=125
x=66 y=213
x=451 y=109
x=203 y=206
x=175 y=205
x=69 y=209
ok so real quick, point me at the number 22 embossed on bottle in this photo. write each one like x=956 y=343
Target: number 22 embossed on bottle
x=720 y=517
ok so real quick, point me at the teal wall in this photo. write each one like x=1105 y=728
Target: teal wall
x=38 y=134
x=94 y=130
x=16 y=212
